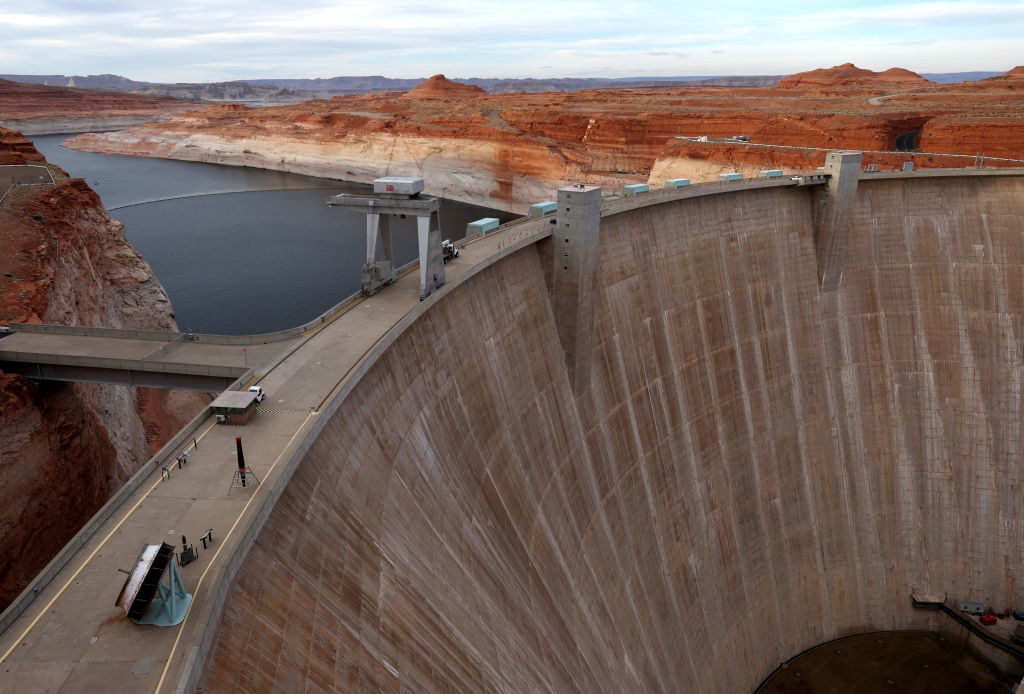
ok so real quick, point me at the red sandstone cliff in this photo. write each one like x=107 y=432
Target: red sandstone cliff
x=64 y=448
x=509 y=150
x=440 y=87
x=15 y=148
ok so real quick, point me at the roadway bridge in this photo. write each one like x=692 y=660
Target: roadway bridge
x=447 y=501
x=131 y=358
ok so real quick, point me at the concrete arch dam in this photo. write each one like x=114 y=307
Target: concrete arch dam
x=757 y=466
x=752 y=465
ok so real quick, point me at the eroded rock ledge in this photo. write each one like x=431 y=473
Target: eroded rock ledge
x=507 y=151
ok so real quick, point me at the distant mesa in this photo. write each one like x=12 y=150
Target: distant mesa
x=1016 y=73
x=440 y=87
x=850 y=74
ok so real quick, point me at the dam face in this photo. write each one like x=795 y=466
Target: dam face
x=756 y=467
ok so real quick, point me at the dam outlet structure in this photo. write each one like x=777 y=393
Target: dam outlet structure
x=660 y=443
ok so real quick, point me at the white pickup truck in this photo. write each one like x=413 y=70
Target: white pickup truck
x=260 y=393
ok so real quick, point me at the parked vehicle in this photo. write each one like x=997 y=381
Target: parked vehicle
x=260 y=393
x=987 y=619
x=448 y=250
x=977 y=608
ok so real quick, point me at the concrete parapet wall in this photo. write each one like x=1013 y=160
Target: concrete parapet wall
x=757 y=467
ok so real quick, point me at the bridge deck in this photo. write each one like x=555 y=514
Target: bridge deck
x=132 y=361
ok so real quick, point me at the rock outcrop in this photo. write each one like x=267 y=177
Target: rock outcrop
x=16 y=149
x=849 y=74
x=34 y=109
x=64 y=448
x=509 y=150
x=440 y=87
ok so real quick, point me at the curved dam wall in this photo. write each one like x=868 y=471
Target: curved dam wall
x=757 y=466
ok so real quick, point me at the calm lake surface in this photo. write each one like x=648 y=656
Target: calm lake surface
x=241 y=250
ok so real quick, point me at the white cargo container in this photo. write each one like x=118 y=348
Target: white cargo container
x=397 y=185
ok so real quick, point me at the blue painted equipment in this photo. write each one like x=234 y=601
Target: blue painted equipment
x=539 y=209
x=481 y=226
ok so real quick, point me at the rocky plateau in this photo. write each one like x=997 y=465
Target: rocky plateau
x=35 y=109
x=64 y=448
x=509 y=150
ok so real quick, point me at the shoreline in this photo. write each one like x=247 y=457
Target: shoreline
x=67 y=125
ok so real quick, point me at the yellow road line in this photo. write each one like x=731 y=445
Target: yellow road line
x=188 y=611
x=88 y=559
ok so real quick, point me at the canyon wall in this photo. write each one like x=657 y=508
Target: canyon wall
x=704 y=161
x=65 y=447
x=757 y=467
x=995 y=136
x=508 y=151
x=35 y=109
x=482 y=172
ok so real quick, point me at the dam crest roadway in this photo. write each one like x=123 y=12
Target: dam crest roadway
x=357 y=574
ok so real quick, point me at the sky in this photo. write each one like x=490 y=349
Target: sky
x=214 y=40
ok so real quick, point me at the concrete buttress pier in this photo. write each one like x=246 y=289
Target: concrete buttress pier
x=832 y=228
x=576 y=245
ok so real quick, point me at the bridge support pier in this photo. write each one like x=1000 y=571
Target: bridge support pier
x=832 y=222
x=576 y=244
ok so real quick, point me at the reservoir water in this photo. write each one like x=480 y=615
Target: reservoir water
x=241 y=250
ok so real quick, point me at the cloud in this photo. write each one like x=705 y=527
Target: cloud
x=205 y=40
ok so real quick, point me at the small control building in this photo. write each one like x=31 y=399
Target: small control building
x=234 y=406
